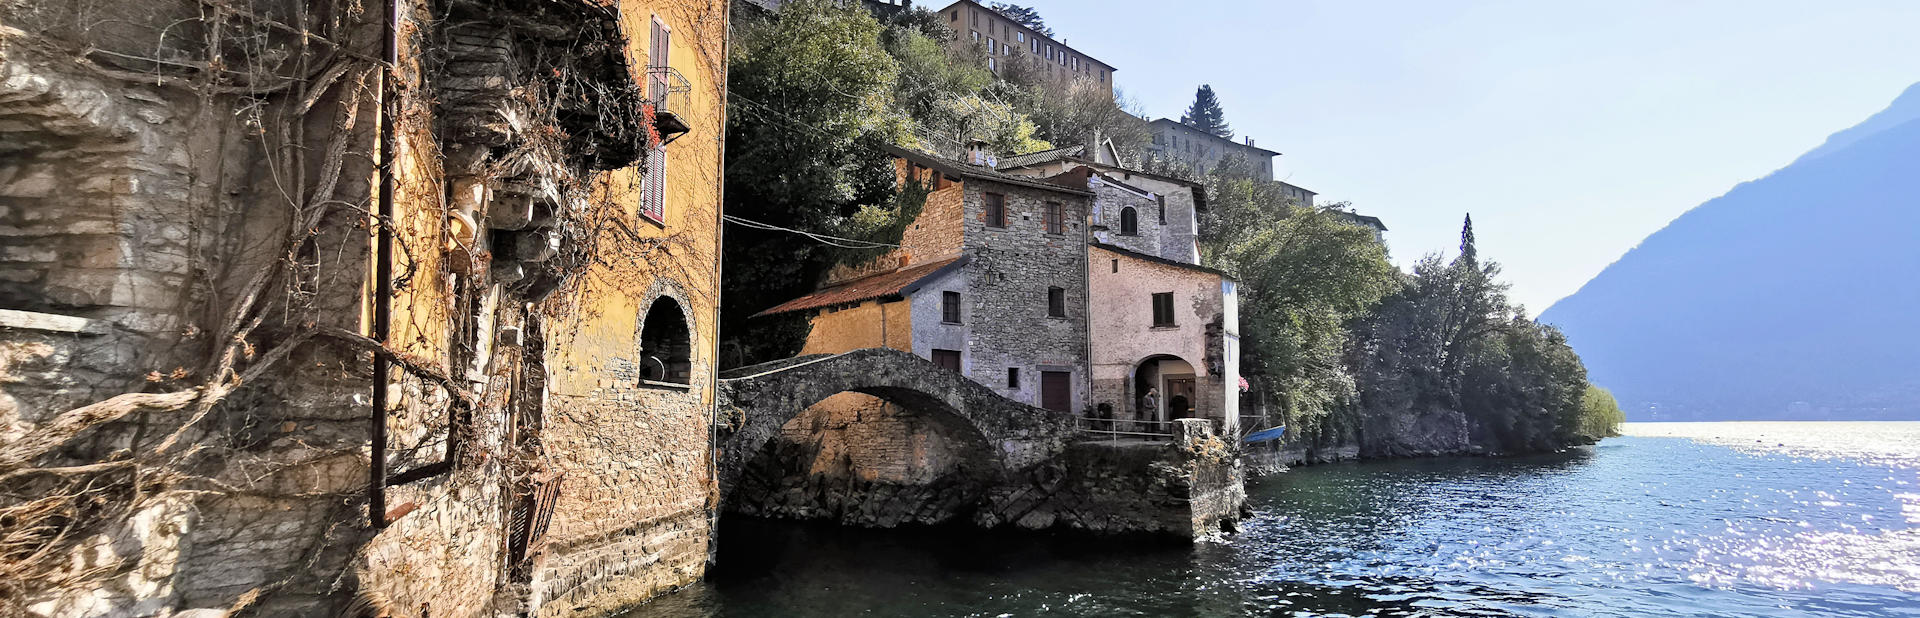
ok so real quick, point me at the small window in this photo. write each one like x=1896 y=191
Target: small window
x=950 y=307
x=1020 y=37
x=1129 y=222
x=1163 y=209
x=1013 y=378
x=1056 y=302
x=996 y=210
x=1116 y=266
x=954 y=16
x=1036 y=45
x=976 y=36
x=1163 y=309
x=1056 y=220
x=947 y=359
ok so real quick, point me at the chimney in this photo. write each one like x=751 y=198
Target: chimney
x=978 y=153
x=1249 y=140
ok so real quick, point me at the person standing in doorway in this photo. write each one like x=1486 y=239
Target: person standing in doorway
x=1150 y=407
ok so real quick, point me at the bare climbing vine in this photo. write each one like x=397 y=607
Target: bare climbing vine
x=295 y=90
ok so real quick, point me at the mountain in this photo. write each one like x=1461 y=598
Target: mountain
x=1795 y=296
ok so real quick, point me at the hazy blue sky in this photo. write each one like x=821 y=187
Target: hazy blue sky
x=1570 y=130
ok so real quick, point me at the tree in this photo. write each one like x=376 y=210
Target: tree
x=1025 y=16
x=812 y=97
x=1205 y=114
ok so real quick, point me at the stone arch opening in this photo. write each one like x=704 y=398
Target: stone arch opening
x=1163 y=389
x=1129 y=222
x=872 y=456
x=666 y=343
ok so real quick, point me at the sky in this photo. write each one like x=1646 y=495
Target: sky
x=1570 y=130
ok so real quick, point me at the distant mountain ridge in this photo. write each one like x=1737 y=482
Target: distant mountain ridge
x=1795 y=296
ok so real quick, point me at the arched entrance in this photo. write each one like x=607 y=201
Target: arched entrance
x=1163 y=389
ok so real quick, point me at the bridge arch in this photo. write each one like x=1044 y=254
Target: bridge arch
x=760 y=400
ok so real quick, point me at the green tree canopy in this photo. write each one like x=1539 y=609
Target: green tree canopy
x=1205 y=113
x=1026 y=16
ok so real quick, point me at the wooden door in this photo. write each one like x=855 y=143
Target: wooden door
x=1180 y=402
x=1056 y=391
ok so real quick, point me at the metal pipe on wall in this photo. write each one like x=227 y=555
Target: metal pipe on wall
x=383 y=270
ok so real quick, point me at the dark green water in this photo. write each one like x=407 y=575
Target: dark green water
x=1634 y=527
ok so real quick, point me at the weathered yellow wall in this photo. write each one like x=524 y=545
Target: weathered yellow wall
x=634 y=512
x=873 y=324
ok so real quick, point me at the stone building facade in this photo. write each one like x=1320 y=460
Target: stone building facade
x=480 y=381
x=1158 y=320
x=1175 y=141
x=1010 y=47
x=1010 y=252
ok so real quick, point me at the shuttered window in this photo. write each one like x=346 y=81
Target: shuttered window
x=947 y=359
x=1056 y=219
x=996 y=210
x=1163 y=309
x=653 y=186
x=1056 y=302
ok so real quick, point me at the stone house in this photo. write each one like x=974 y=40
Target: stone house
x=1157 y=320
x=1010 y=46
x=476 y=380
x=990 y=280
x=1175 y=141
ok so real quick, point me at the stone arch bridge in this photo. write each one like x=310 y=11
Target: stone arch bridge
x=1011 y=464
x=760 y=399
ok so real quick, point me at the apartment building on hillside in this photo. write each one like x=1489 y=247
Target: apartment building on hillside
x=1176 y=141
x=1012 y=47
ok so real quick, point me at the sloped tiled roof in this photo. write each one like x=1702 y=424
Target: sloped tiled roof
x=895 y=283
x=1041 y=157
x=967 y=170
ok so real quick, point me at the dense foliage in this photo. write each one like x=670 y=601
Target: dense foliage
x=1600 y=415
x=1026 y=16
x=815 y=90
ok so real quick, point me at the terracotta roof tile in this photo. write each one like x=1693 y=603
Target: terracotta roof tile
x=885 y=284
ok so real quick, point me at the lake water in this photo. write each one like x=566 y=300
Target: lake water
x=1708 y=519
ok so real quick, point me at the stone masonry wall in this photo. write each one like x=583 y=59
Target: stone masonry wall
x=1007 y=282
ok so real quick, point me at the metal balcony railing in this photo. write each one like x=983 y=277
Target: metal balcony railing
x=668 y=90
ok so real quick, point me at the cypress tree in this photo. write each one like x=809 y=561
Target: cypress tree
x=1205 y=113
x=1468 y=254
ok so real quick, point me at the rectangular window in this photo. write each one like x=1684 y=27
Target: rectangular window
x=954 y=16
x=1116 y=266
x=1163 y=209
x=996 y=210
x=990 y=66
x=1056 y=302
x=947 y=359
x=1013 y=378
x=976 y=35
x=1036 y=45
x=1020 y=37
x=950 y=307
x=1163 y=309
x=991 y=46
x=1056 y=220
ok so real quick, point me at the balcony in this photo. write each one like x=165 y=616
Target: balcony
x=671 y=95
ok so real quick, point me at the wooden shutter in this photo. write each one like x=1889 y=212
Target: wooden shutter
x=1056 y=302
x=1163 y=309
x=1056 y=391
x=996 y=210
x=947 y=359
x=653 y=186
x=1056 y=221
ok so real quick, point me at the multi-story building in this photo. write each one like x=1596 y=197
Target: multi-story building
x=1176 y=141
x=1011 y=47
x=468 y=364
x=1163 y=330
x=990 y=281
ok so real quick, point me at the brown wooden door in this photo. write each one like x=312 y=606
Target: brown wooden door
x=1180 y=403
x=1056 y=391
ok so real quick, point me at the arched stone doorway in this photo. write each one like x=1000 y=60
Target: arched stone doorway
x=1163 y=388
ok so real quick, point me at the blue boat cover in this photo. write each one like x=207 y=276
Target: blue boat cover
x=1265 y=435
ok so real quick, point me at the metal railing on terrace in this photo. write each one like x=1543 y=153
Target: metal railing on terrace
x=1115 y=428
x=669 y=91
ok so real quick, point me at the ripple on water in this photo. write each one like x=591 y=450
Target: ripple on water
x=1737 y=519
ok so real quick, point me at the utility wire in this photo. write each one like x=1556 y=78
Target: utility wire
x=825 y=239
